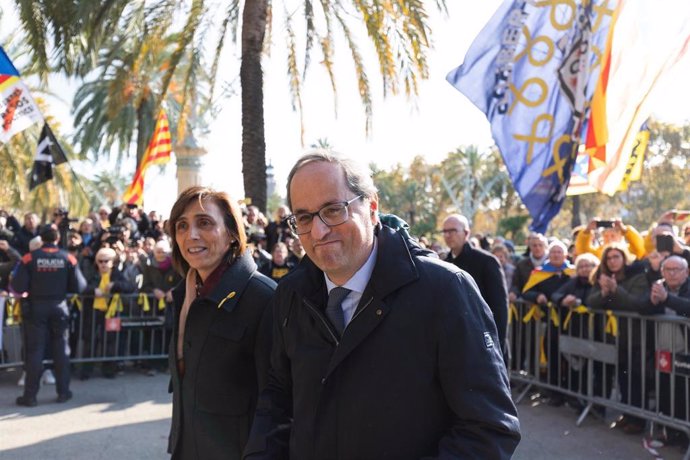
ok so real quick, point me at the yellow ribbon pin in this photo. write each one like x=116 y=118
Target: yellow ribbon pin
x=229 y=296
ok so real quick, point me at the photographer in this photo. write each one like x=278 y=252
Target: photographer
x=612 y=231
x=62 y=221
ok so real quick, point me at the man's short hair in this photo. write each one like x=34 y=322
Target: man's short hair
x=49 y=233
x=357 y=176
x=683 y=261
x=464 y=221
x=35 y=243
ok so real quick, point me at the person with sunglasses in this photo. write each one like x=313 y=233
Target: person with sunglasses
x=106 y=281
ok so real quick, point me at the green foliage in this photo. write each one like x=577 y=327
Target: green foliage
x=513 y=227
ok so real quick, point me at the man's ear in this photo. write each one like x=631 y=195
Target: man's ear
x=373 y=208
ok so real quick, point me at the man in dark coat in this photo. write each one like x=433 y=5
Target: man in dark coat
x=671 y=296
x=484 y=268
x=406 y=366
x=26 y=233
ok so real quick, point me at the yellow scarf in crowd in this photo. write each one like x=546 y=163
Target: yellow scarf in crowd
x=100 y=303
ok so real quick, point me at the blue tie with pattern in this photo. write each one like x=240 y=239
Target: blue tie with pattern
x=334 y=310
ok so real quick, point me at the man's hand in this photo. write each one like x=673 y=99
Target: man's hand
x=592 y=225
x=158 y=294
x=542 y=299
x=4 y=246
x=658 y=294
x=618 y=225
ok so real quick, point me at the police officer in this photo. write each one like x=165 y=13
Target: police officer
x=47 y=275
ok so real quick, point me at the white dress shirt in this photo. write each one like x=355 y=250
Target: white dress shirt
x=356 y=284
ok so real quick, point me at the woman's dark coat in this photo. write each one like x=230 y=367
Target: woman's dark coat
x=227 y=345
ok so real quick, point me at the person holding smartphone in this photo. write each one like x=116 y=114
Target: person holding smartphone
x=611 y=231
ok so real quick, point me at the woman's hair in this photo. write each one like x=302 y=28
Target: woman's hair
x=231 y=217
x=107 y=252
x=587 y=257
x=603 y=267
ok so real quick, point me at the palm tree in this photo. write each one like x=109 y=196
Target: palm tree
x=16 y=163
x=397 y=30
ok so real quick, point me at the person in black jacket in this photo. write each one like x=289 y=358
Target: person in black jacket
x=671 y=296
x=405 y=364
x=46 y=275
x=570 y=300
x=26 y=233
x=484 y=268
x=219 y=354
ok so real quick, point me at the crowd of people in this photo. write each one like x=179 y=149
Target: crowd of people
x=610 y=266
x=607 y=265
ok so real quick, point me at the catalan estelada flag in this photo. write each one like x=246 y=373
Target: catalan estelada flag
x=18 y=110
x=646 y=42
x=157 y=152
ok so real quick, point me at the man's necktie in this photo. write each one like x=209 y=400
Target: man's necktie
x=334 y=310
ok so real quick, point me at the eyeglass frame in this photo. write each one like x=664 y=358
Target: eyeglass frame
x=291 y=220
x=673 y=269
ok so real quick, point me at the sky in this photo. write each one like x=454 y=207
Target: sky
x=439 y=120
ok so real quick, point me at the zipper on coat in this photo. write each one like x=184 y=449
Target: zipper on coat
x=318 y=314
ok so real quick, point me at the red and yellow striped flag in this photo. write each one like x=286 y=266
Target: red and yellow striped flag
x=157 y=152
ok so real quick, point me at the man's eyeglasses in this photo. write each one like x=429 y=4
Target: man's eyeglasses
x=672 y=269
x=331 y=214
x=104 y=261
x=449 y=231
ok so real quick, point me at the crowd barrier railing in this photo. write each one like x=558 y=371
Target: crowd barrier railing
x=635 y=364
x=118 y=327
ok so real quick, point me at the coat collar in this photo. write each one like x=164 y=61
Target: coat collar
x=393 y=269
x=233 y=282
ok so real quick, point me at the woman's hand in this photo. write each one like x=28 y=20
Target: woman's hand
x=569 y=301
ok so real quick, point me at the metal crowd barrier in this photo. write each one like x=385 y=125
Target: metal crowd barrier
x=635 y=364
x=132 y=327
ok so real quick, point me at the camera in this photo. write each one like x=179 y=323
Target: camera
x=605 y=223
x=65 y=222
x=114 y=234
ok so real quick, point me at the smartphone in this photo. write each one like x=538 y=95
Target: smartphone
x=605 y=223
x=664 y=243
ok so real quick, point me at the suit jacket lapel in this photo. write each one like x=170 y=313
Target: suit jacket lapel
x=394 y=268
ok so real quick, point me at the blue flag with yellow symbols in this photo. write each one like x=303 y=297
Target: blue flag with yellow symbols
x=532 y=70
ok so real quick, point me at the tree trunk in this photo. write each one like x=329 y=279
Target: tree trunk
x=144 y=117
x=251 y=80
x=575 y=219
